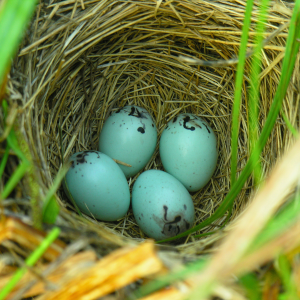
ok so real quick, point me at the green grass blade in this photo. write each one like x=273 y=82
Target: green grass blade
x=30 y=261
x=254 y=90
x=50 y=207
x=14 y=17
x=4 y=160
x=5 y=108
x=50 y=211
x=14 y=145
x=206 y=234
x=7 y=148
x=292 y=48
x=14 y=179
x=238 y=91
x=252 y=286
x=291 y=128
x=12 y=139
x=284 y=270
x=66 y=188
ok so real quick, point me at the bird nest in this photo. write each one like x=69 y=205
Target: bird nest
x=81 y=60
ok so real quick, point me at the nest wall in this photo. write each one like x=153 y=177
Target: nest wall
x=81 y=60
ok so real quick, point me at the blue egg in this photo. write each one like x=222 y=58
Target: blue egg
x=161 y=205
x=98 y=186
x=129 y=135
x=188 y=150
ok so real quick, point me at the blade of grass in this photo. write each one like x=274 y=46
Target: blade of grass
x=66 y=188
x=18 y=174
x=11 y=138
x=14 y=145
x=251 y=285
x=238 y=91
x=50 y=211
x=4 y=160
x=59 y=177
x=7 y=148
x=285 y=272
x=254 y=90
x=16 y=142
x=50 y=206
x=206 y=234
x=292 y=129
x=292 y=48
x=14 y=16
x=14 y=179
x=30 y=261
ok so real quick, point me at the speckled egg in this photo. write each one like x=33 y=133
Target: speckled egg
x=98 y=186
x=129 y=135
x=161 y=205
x=188 y=150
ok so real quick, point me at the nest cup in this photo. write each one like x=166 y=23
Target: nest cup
x=84 y=59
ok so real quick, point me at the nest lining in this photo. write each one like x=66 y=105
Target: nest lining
x=83 y=60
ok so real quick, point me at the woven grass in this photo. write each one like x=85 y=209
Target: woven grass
x=83 y=59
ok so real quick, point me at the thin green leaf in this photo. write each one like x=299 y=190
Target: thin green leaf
x=292 y=48
x=4 y=160
x=238 y=91
x=50 y=207
x=252 y=286
x=254 y=89
x=284 y=270
x=292 y=129
x=21 y=169
x=14 y=17
x=5 y=108
x=214 y=231
x=12 y=139
x=50 y=211
x=14 y=145
x=57 y=181
x=14 y=179
x=7 y=148
x=206 y=234
x=65 y=185
x=30 y=261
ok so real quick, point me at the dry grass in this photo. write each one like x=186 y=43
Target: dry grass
x=83 y=59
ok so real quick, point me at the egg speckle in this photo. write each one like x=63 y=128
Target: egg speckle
x=166 y=209
x=133 y=143
x=98 y=186
x=188 y=150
